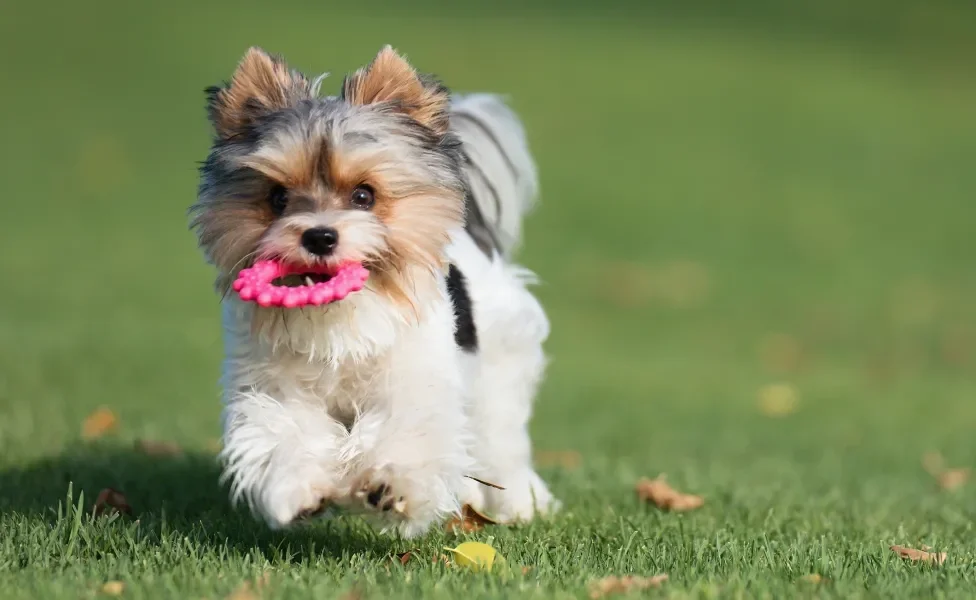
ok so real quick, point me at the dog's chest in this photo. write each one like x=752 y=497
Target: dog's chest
x=344 y=390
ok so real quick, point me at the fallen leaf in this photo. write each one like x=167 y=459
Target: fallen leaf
x=109 y=500
x=159 y=448
x=682 y=283
x=113 y=588
x=475 y=555
x=813 y=578
x=526 y=570
x=920 y=555
x=263 y=581
x=625 y=284
x=780 y=353
x=948 y=479
x=658 y=492
x=470 y=520
x=404 y=557
x=778 y=400
x=953 y=479
x=622 y=585
x=246 y=590
x=567 y=459
x=99 y=423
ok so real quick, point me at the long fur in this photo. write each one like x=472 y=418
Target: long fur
x=499 y=169
x=370 y=404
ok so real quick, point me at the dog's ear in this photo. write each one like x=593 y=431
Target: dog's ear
x=262 y=83
x=391 y=79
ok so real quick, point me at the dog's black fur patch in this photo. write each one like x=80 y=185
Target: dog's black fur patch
x=465 y=333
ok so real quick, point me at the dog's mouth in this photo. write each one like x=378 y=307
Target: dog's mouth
x=274 y=283
x=307 y=279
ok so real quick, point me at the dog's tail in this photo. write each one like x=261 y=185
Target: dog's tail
x=500 y=172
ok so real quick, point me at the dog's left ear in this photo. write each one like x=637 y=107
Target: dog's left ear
x=261 y=84
x=391 y=79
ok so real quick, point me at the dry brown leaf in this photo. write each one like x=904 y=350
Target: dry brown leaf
x=113 y=588
x=404 y=557
x=526 y=570
x=567 y=459
x=814 y=578
x=920 y=555
x=661 y=494
x=263 y=581
x=682 y=283
x=622 y=585
x=677 y=284
x=109 y=501
x=245 y=591
x=159 y=448
x=952 y=479
x=249 y=590
x=948 y=479
x=99 y=423
x=778 y=400
x=470 y=520
x=780 y=353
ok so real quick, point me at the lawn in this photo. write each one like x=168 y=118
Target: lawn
x=765 y=198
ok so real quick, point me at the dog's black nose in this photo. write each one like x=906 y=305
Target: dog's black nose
x=320 y=241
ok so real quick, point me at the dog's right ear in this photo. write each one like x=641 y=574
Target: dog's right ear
x=261 y=84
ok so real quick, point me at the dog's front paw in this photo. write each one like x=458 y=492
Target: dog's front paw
x=402 y=499
x=382 y=491
x=290 y=500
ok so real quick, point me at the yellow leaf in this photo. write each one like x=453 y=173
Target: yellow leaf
x=474 y=555
x=778 y=400
x=113 y=588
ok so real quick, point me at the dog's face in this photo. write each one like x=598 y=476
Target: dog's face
x=370 y=176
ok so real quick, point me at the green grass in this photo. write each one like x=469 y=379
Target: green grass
x=814 y=169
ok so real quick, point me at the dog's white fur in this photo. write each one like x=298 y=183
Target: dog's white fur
x=323 y=405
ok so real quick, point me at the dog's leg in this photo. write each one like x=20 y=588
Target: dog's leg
x=409 y=451
x=503 y=406
x=281 y=457
x=512 y=327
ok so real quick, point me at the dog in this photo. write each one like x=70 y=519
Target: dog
x=392 y=402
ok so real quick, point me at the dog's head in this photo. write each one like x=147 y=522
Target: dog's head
x=372 y=175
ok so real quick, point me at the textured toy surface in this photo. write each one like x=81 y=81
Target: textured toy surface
x=260 y=283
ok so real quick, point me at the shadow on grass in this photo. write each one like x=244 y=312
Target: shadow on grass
x=174 y=494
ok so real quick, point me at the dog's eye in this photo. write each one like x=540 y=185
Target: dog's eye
x=278 y=200
x=362 y=197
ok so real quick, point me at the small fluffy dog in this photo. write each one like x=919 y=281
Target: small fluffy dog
x=388 y=401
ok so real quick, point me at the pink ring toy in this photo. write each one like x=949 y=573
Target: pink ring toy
x=256 y=284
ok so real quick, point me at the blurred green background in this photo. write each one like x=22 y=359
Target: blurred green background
x=734 y=196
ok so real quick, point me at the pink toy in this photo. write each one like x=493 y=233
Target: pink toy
x=257 y=284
